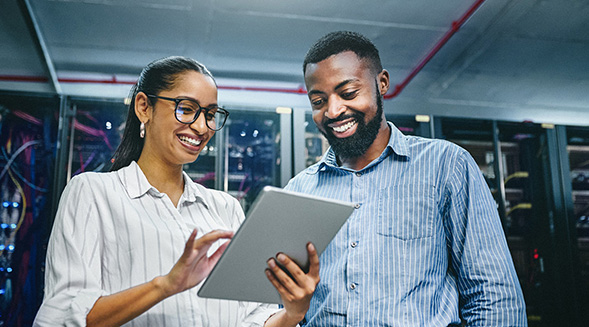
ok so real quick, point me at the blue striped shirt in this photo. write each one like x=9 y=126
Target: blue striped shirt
x=424 y=248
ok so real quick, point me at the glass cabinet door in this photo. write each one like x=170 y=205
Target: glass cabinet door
x=253 y=152
x=97 y=130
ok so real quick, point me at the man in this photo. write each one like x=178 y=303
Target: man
x=425 y=246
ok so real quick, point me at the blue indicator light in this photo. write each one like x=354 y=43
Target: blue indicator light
x=5 y=204
x=10 y=248
x=13 y=226
x=3 y=225
x=8 y=269
x=2 y=247
x=15 y=204
x=2 y=291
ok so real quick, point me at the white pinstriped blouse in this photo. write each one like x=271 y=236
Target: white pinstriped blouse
x=424 y=248
x=114 y=231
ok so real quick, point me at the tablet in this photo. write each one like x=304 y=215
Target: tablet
x=278 y=221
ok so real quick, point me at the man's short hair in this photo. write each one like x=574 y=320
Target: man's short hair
x=341 y=41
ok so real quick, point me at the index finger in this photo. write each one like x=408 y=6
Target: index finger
x=213 y=236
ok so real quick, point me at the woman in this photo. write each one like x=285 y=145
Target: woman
x=124 y=246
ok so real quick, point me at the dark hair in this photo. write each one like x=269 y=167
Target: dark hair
x=156 y=77
x=341 y=41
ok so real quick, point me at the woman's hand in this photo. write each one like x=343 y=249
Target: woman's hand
x=295 y=292
x=194 y=265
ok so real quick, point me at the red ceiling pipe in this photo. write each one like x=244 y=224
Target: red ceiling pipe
x=17 y=78
x=114 y=80
x=455 y=27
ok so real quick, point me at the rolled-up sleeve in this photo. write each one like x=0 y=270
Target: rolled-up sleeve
x=72 y=276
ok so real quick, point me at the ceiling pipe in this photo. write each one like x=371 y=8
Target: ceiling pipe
x=114 y=80
x=455 y=27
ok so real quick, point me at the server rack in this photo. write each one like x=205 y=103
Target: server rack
x=577 y=140
x=28 y=129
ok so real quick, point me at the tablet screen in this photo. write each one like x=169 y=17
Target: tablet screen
x=278 y=221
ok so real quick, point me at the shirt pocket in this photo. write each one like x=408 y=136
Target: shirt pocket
x=406 y=211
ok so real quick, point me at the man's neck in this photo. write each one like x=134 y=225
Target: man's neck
x=374 y=151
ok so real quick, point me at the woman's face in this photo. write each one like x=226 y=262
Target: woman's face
x=168 y=139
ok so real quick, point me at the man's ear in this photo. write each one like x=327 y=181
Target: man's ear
x=383 y=81
x=142 y=107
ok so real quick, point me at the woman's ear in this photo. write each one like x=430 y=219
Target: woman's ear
x=383 y=81
x=143 y=108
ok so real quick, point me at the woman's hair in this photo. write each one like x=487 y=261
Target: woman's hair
x=156 y=77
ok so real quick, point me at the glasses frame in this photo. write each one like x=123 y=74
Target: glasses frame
x=200 y=109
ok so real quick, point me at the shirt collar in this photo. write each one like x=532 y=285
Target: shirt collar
x=397 y=144
x=134 y=180
x=136 y=184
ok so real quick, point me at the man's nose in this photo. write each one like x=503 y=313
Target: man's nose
x=335 y=108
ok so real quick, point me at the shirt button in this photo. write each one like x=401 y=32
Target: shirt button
x=353 y=286
x=357 y=206
x=353 y=244
x=358 y=174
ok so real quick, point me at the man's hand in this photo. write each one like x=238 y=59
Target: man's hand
x=295 y=292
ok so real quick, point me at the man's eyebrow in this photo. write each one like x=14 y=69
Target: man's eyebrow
x=344 y=83
x=313 y=92
x=339 y=86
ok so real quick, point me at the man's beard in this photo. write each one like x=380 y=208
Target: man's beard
x=356 y=145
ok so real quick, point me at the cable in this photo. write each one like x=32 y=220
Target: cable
x=22 y=178
x=24 y=206
x=517 y=174
x=21 y=149
x=519 y=206
x=24 y=201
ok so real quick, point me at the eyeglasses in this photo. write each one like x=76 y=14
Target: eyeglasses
x=188 y=110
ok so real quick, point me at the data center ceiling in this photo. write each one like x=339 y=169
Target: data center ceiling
x=511 y=59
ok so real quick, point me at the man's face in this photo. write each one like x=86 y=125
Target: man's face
x=346 y=102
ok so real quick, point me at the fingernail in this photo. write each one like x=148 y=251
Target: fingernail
x=271 y=263
x=311 y=247
x=281 y=257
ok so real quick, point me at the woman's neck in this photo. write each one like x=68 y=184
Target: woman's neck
x=164 y=177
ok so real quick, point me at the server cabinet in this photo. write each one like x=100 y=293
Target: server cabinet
x=95 y=133
x=28 y=131
x=578 y=154
x=252 y=150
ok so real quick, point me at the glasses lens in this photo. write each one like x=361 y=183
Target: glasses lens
x=186 y=110
x=216 y=118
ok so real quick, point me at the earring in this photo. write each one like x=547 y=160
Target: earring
x=142 y=130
